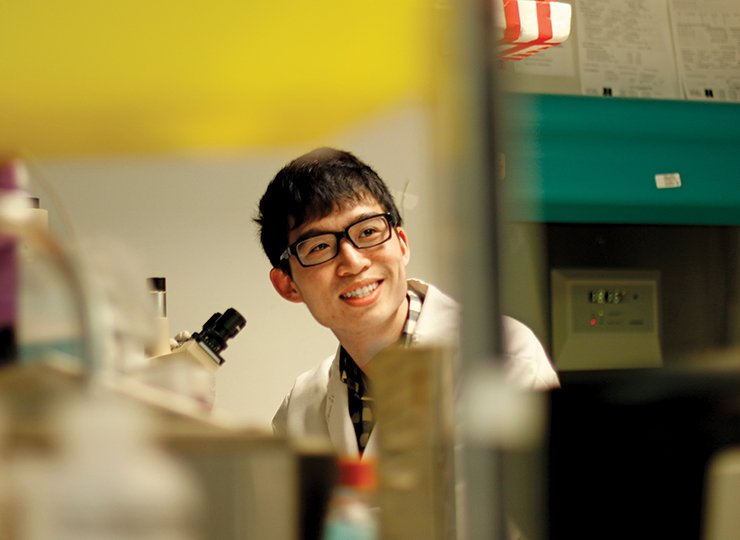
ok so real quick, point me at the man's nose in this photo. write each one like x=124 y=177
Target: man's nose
x=351 y=258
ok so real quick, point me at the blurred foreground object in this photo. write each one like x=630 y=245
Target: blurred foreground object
x=526 y=27
x=250 y=484
x=414 y=401
x=353 y=513
x=108 y=478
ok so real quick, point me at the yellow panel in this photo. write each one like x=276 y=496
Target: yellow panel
x=92 y=77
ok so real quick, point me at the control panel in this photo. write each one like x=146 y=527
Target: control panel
x=605 y=318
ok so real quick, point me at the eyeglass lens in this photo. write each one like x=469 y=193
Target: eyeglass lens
x=363 y=234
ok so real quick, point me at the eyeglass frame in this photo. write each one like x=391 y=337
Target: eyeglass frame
x=291 y=249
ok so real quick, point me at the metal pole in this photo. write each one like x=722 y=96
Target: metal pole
x=469 y=181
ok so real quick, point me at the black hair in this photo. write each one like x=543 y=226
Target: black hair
x=311 y=187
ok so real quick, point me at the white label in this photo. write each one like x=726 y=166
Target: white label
x=668 y=180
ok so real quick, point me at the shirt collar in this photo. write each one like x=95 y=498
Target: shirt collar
x=415 y=303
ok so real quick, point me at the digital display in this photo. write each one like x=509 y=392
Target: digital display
x=606 y=296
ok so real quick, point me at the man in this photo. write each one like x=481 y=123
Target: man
x=336 y=242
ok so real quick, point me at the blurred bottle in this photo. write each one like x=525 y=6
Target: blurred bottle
x=353 y=513
x=22 y=220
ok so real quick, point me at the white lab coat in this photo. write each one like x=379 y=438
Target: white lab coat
x=316 y=407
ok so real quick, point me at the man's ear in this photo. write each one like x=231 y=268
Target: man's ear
x=404 y=242
x=284 y=285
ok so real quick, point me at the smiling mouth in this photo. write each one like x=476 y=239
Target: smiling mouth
x=362 y=291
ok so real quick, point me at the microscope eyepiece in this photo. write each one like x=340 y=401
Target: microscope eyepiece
x=219 y=329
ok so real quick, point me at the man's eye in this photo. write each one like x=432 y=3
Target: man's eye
x=368 y=231
x=317 y=248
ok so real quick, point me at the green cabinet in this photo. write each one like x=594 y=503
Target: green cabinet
x=594 y=160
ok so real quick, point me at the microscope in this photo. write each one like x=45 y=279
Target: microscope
x=204 y=347
x=187 y=365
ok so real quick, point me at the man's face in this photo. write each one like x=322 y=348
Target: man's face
x=359 y=292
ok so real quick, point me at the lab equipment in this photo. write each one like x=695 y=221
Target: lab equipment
x=189 y=369
x=161 y=343
x=206 y=345
x=605 y=318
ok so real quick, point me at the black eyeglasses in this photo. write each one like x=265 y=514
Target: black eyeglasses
x=366 y=233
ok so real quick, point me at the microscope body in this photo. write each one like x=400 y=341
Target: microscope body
x=189 y=368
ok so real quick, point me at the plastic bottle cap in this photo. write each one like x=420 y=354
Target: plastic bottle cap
x=357 y=473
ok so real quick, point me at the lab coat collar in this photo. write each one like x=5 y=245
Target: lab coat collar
x=341 y=429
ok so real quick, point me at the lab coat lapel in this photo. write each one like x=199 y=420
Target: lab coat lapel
x=341 y=430
x=370 y=449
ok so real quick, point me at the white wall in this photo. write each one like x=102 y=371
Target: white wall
x=188 y=218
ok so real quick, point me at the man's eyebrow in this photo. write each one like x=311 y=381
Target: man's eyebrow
x=310 y=233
